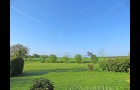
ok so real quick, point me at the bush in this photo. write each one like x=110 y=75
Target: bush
x=42 y=59
x=78 y=58
x=16 y=65
x=90 y=67
x=42 y=84
x=52 y=58
x=117 y=65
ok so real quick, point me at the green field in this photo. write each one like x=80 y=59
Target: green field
x=71 y=76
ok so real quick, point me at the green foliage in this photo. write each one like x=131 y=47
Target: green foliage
x=94 y=58
x=16 y=65
x=65 y=59
x=90 y=67
x=18 y=50
x=30 y=59
x=42 y=84
x=52 y=58
x=119 y=64
x=78 y=58
x=46 y=56
x=59 y=61
x=36 y=56
x=42 y=59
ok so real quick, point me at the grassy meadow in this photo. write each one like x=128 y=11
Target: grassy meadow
x=69 y=76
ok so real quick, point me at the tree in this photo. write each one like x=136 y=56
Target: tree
x=52 y=58
x=93 y=57
x=18 y=50
x=78 y=58
x=36 y=56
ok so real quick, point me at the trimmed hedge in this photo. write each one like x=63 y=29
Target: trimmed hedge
x=16 y=65
x=117 y=65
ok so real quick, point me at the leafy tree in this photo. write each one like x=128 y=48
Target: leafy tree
x=78 y=58
x=52 y=58
x=93 y=57
x=36 y=56
x=18 y=50
x=42 y=59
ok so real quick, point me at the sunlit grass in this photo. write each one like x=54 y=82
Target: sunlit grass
x=67 y=76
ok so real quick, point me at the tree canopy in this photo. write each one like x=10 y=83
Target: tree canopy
x=19 y=50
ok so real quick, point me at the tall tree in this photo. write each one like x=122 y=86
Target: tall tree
x=93 y=57
x=18 y=50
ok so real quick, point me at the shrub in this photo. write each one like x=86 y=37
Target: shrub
x=16 y=65
x=65 y=59
x=90 y=67
x=42 y=84
x=117 y=65
x=42 y=59
x=52 y=58
x=78 y=58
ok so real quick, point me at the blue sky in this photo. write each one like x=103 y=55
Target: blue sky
x=71 y=26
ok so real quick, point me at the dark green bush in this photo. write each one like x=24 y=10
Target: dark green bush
x=16 y=65
x=42 y=59
x=42 y=84
x=78 y=58
x=52 y=58
x=117 y=65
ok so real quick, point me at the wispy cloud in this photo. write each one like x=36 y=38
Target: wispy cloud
x=30 y=17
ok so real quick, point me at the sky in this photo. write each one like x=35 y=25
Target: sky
x=71 y=27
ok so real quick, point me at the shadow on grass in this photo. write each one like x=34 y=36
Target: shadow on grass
x=46 y=71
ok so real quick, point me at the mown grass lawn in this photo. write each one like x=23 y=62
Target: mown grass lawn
x=69 y=77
